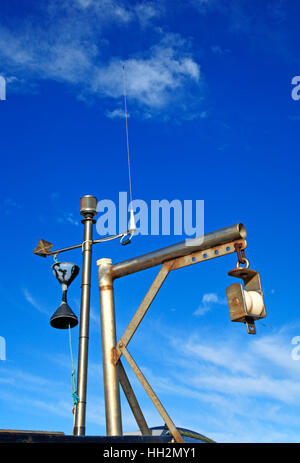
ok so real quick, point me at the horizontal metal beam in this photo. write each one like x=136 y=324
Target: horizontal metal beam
x=200 y=243
x=208 y=254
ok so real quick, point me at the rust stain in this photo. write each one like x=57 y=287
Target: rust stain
x=115 y=356
x=236 y=302
x=105 y=287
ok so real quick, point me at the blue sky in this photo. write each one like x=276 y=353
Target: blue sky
x=210 y=117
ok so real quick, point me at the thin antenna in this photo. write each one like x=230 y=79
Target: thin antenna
x=132 y=226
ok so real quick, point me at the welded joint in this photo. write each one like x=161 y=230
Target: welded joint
x=117 y=352
x=105 y=288
x=115 y=356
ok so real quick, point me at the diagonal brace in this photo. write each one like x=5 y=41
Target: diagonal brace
x=141 y=311
x=158 y=405
x=132 y=400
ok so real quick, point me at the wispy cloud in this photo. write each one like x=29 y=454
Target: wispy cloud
x=152 y=78
x=234 y=386
x=34 y=302
x=30 y=393
x=62 y=216
x=67 y=218
x=68 y=44
x=116 y=114
x=10 y=205
x=208 y=300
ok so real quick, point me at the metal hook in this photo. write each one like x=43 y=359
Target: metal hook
x=127 y=241
x=246 y=261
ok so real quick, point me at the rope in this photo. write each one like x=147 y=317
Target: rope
x=73 y=377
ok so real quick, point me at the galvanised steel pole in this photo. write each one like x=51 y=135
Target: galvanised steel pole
x=108 y=336
x=88 y=208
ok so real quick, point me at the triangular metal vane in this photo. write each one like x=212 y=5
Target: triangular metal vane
x=43 y=248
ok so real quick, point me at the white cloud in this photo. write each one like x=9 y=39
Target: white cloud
x=220 y=354
x=146 y=12
x=210 y=297
x=151 y=80
x=232 y=388
x=31 y=300
x=202 y=310
x=279 y=352
x=236 y=388
x=208 y=300
x=121 y=11
x=116 y=114
x=69 y=44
